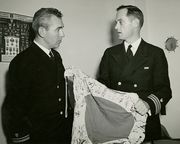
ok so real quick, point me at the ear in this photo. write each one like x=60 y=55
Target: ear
x=42 y=31
x=135 y=22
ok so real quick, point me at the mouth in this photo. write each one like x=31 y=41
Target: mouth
x=119 y=33
x=59 y=41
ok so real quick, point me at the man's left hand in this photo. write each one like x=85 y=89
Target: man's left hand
x=142 y=107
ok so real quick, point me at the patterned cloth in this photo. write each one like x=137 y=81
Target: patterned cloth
x=103 y=115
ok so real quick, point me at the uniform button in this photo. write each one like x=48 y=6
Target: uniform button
x=119 y=83
x=59 y=99
x=135 y=85
x=16 y=135
x=61 y=112
x=161 y=100
x=57 y=86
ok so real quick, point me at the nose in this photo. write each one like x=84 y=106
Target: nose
x=61 y=32
x=116 y=26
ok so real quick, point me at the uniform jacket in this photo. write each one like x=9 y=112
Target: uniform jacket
x=146 y=74
x=35 y=101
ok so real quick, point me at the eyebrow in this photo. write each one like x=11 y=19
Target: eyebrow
x=60 y=27
x=119 y=20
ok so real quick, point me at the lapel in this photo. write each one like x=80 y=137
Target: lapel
x=45 y=61
x=119 y=56
x=59 y=65
x=41 y=55
x=138 y=60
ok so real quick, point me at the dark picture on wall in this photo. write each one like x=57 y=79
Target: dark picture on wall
x=15 y=34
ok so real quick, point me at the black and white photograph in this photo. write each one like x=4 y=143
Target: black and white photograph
x=89 y=72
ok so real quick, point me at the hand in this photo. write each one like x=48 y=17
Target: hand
x=142 y=107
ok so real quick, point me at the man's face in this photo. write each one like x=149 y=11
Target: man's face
x=54 y=33
x=124 y=25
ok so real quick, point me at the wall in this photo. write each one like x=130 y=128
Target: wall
x=163 y=22
x=89 y=31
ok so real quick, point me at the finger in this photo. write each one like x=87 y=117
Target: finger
x=141 y=109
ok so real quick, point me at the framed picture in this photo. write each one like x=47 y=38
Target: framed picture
x=15 y=34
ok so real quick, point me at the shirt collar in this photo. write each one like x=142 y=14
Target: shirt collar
x=134 y=47
x=42 y=47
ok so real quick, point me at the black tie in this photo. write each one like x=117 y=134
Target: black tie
x=129 y=52
x=51 y=55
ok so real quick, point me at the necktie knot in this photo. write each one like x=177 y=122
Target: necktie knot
x=129 y=52
x=51 y=55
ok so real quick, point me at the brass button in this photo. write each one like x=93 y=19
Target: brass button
x=135 y=85
x=57 y=86
x=61 y=112
x=161 y=100
x=16 y=134
x=119 y=83
x=59 y=99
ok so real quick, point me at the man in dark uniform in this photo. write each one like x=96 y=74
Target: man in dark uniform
x=36 y=107
x=139 y=67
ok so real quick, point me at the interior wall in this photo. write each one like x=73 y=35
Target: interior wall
x=163 y=22
x=89 y=31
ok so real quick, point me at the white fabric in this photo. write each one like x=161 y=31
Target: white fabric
x=84 y=86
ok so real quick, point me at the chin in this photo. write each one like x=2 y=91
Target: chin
x=120 y=37
x=57 y=45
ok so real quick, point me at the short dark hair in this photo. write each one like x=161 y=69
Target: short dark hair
x=133 y=11
x=40 y=16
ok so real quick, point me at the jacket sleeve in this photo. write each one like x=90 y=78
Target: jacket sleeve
x=103 y=76
x=161 y=84
x=14 y=110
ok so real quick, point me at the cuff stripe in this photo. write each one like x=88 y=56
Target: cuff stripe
x=22 y=139
x=156 y=103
